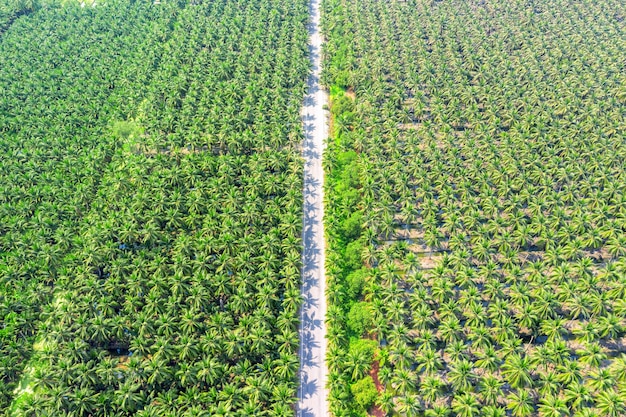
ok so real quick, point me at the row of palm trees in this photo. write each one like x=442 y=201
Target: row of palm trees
x=486 y=143
x=152 y=262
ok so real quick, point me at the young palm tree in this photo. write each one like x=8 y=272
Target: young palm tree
x=577 y=396
x=600 y=380
x=409 y=406
x=592 y=355
x=465 y=405
x=490 y=390
x=488 y=359
x=521 y=403
x=517 y=371
x=432 y=388
x=610 y=403
x=550 y=406
x=461 y=376
x=494 y=411
x=439 y=411
x=570 y=372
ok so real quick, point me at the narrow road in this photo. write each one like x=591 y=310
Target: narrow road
x=312 y=393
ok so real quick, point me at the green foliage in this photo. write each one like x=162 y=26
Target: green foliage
x=347 y=172
x=342 y=106
x=481 y=150
x=163 y=277
x=355 y=282
x=365 y=347
x=360 y=317
x=125 y=130
x=352 y=255
x=364 y=392
x=12 y=9
x=346 y=278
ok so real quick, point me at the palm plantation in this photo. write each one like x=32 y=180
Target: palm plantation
x=151 y=208
x=479 y=150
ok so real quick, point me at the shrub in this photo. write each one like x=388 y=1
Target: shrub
x=360 y=318
x=125 y=129
x=352 y=256
x=364 y=392
x=355 y=282
x=342 y=106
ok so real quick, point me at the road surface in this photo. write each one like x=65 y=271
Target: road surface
x=312 y=393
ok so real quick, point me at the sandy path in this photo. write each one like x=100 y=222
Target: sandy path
x=312 y=394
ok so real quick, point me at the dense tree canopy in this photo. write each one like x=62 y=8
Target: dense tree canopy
x=10 y=10
x=150 y=208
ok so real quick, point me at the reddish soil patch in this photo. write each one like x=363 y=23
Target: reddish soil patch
x=374 y=375
x=375 y=411
x=350 y=93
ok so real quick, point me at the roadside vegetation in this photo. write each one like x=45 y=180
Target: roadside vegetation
x=476 y=208
x=150 y=208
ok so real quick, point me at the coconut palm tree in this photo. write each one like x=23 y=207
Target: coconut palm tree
x=550 y=406
x=521 y=403
x=465 y=405
x=610 y=403
x=577 y=396
x=517 y=370
x=461 y=376
x=490 y=390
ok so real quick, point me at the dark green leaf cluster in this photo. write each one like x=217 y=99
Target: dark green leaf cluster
x=10 y=10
